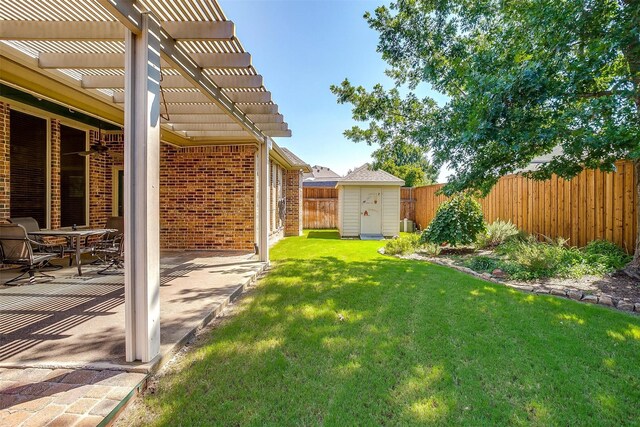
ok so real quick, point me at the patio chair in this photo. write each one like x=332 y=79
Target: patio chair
x=110 y=248
x=46 y=243
x=17 y=248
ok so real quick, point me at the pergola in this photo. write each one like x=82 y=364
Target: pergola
x=170 y=70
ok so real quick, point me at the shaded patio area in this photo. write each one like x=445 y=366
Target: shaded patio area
x=78 y=322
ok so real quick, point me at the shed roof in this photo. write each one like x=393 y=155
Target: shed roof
x=366 y=175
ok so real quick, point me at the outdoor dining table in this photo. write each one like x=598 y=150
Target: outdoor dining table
x=75 y=236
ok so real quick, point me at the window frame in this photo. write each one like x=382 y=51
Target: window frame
x=43 y=114
x=87 y=165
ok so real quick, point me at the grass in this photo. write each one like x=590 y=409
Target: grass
x=419 y=344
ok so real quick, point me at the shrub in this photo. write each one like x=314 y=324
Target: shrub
x=538 y=259
x=530 y=259
x=482 y=263
x=431 y=249
x=402 y=245
x=609 y=256
x=457 y=221
x=496 y=234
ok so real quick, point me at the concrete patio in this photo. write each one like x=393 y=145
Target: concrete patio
x=62 y=355
x=78 y=321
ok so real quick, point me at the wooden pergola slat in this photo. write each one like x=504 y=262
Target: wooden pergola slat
x=117 y=82
x=116 y=60
x=219 y=118
x=183 y=97
x=109 y=30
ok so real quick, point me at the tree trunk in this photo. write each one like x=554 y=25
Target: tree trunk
x=633 y=268
x=632 y=55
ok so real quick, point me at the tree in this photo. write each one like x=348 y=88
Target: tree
x=406 y=161
x=522 y=78
x=396 y=131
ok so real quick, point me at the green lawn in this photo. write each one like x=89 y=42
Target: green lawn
x=419 y=344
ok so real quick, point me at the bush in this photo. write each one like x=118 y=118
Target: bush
x=496 y=234
x=402 y=245
x=483 y=264
x=530 y=259
x=606 y=254
x=537 y=260
x=457 y=221
x=431 y=249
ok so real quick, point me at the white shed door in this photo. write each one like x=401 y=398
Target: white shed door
x=371 y=211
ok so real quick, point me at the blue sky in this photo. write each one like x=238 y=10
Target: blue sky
x=301 y=47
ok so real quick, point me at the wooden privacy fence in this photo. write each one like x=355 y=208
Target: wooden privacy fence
x=320 y=206
x=407 y=203
x=593 y=205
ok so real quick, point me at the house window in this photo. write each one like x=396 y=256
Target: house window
x=28 y=166
x=73 y=176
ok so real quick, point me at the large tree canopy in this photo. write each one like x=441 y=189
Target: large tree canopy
x=406 y=161
x=522 y=77
x=395 y=127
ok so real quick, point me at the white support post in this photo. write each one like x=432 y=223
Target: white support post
x=141 y=191
x=264 y=200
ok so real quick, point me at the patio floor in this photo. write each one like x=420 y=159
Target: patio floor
x=78 y=322
x=62 y=341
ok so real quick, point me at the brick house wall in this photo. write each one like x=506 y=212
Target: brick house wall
x=5 y=185
x=293 y=191
x=56 y=202
x=207 y=197
x=207 y=194
x=100 y=181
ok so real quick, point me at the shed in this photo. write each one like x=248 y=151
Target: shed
x=369 y=204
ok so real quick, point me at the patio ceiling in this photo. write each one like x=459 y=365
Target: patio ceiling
x=211 y=92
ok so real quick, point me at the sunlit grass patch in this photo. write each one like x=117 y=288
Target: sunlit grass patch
x=337 y=334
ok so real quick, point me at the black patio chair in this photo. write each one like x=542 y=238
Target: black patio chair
x=110 y=248
x=17 y=248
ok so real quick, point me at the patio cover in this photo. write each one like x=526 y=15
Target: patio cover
x=166 y=69
x=210 y=91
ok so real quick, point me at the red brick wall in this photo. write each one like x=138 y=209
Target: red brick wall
x=207 y=197
x=207 y=194
x=293 y=192
x=100 y=176
x=55 y=174
x=5 y=185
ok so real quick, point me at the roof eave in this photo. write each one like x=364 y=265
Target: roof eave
x=281 y=157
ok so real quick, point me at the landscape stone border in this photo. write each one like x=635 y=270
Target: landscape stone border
x=536 y=288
